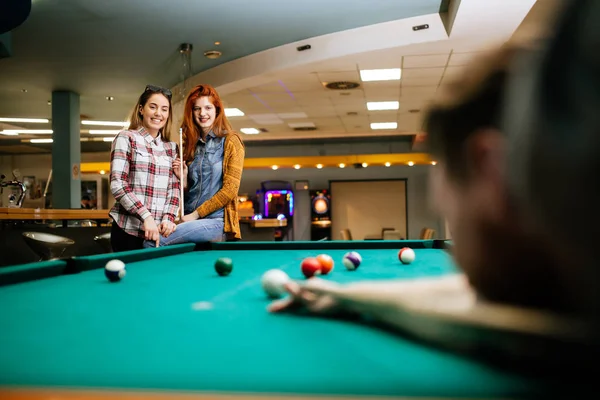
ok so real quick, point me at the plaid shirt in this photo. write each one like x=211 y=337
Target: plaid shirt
x=142 y=180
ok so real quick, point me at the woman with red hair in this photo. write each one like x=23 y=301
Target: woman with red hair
x=213 y=155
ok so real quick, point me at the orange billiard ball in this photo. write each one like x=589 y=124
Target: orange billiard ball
x=311 y=267
x=326 y=263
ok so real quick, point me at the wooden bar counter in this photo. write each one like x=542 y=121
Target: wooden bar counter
x=14 y=215
x=31 y=214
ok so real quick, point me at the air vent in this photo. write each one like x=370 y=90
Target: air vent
x=342 y=85
x=306 y=128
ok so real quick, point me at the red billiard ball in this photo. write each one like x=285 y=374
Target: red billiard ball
x=311 y=267
x=326 y=263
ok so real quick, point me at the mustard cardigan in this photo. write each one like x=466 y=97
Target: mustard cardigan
x=227 y=196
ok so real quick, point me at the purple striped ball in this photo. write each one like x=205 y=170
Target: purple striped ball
x=351 y=260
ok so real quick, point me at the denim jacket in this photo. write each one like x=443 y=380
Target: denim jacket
x=205 y=175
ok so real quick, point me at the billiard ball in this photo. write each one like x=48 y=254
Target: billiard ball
x=273 y=282
x=351 y=260
x=406 y=255
x=114 y=270
x=326 y=263
x=224 y=266
x=311 y=267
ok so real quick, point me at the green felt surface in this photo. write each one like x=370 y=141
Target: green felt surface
x=151 y=331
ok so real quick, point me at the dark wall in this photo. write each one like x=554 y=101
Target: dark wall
x=15 y=251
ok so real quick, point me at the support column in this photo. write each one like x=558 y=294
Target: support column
x=66 y=150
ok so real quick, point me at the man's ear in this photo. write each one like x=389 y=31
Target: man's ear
x=486 y=153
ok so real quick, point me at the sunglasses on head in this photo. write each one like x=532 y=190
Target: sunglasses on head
x=158 y=89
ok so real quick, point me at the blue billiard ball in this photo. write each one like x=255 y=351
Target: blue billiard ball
x=115 y=270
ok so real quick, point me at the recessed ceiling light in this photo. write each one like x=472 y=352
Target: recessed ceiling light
x=384 y=125
x=103 y=131
x=382 y=105
x=411 y=163
x=319 y=166
x=274 y=167
x=31 y=120
x=301 y=124
x=233 y=112
x=297 y=166
x=102 y=172
x=217 y=43
x=365 y=165
x=370 y=75
x=387 y=164
x=41 y=141
x=250 y=131
x=49 y=102
x=342 y=165
x=28 y=131
x=433 y=162
x=212 y=54
x=110 y=98
x=106 y=123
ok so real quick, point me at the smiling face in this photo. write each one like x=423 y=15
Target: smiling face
x=155 y=113
x=204 y=113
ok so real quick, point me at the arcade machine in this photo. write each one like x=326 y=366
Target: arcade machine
x=320 y=215
x=276 y=201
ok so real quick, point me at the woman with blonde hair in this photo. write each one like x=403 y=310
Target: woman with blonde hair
x=141 y=174
x=213 y=155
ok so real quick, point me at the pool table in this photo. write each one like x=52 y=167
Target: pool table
x=173 y=328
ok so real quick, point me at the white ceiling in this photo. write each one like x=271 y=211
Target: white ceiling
x=301 y=97
x=277 y=87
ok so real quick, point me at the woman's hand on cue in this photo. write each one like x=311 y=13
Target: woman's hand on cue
x=177 y=168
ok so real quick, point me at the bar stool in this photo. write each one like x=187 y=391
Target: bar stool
x=104 y=242
x=47 y=246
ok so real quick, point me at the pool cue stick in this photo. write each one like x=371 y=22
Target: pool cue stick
x=46 y=188
x=181 y=172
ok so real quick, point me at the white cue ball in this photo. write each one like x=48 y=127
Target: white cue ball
x=115 y=270
x=406 y=255
x=272 y=283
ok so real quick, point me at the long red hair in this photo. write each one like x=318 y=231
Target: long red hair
x=191 y=130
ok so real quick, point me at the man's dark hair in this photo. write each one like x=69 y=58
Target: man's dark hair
x=466 y=105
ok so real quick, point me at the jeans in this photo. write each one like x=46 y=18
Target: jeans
x=197 y=231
